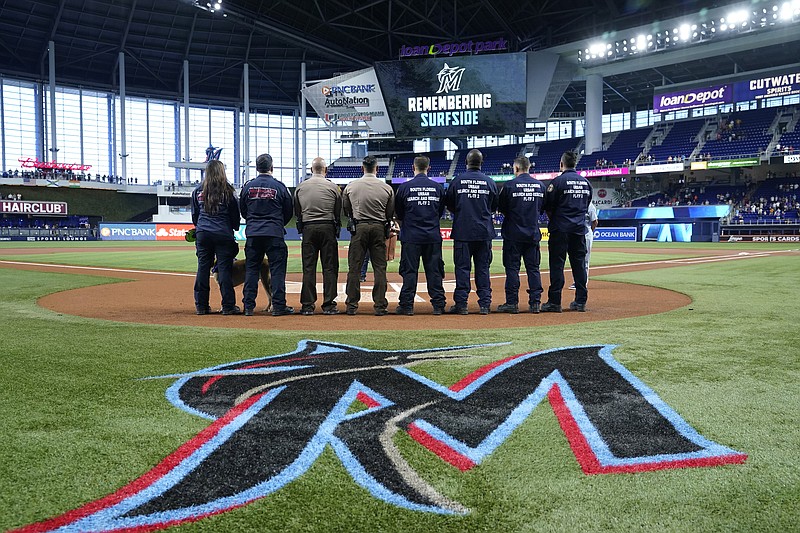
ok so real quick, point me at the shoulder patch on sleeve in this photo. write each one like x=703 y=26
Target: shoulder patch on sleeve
x=550 y=188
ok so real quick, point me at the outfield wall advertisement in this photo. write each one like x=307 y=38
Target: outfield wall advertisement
x=615 y=234
x=143 y=232
x=169 y=232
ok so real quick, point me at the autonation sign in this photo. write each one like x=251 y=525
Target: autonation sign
x=689 y=98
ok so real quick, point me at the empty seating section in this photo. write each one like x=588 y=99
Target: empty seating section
x=494 y=157
x=679 y=142
x=549 y=154
x=744 y=133
x=353 y=171
x=652 y=200
x=627 y=145
x=404 y=164
x=789 y=143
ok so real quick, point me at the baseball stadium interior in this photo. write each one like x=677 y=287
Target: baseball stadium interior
x=113 y=108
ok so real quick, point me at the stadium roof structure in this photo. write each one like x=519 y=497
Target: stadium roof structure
x=336 y=36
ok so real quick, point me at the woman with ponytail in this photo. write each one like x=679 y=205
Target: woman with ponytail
x=215 y=213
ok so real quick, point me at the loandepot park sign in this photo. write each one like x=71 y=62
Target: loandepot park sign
x=451 y=49
x=271 y=418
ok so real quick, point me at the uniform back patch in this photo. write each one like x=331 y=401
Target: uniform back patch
x=272 y=417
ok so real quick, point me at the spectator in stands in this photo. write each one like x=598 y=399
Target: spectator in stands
x=419 y=207
x=266 y=205
x=318 y=208
x=370 y=203
x=472 y=198
x=567 y=214
x=215 y=214
x=521 y=201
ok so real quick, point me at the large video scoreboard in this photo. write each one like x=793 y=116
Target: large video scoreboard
x=455 y=96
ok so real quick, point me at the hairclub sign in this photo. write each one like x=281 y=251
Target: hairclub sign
x=24 y=207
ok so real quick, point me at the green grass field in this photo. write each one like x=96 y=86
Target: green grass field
x=78 y=423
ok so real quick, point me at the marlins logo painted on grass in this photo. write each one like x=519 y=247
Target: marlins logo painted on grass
x=273 y=417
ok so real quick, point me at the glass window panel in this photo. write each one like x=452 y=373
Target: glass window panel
x=161 y=118
x=96 y=143
x=19 y=104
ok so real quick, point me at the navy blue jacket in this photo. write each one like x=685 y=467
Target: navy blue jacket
x=566 y=202
x=521 y=201
x=472 y=198
x=418 y=205
x=266 y=205
x=225 y=221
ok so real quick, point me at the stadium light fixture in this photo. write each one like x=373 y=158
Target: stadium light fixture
x=214 y=6
x=738 y=21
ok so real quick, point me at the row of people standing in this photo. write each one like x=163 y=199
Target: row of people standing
x=370 y=204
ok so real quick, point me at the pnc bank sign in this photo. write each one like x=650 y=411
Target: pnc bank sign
x=143 y=232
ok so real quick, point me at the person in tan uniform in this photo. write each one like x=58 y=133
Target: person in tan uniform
x=318 y=207
x=369 y=202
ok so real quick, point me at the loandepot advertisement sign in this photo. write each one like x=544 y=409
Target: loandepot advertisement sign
x=783 y=83
x=349 y=98
x=689 y=98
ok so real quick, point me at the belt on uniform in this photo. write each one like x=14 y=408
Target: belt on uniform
x=311 y=222
x=368 y=221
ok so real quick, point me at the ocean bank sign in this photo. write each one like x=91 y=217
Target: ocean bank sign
x=615 y=234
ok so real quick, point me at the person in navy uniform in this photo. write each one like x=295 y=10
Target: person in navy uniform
x=419 y=207
x=566 y=203
x=266 y=205
x=520 y=203
x=472 y=198
x=215 y=214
